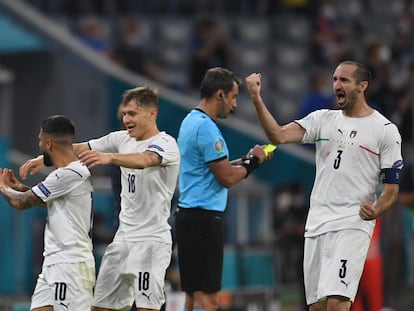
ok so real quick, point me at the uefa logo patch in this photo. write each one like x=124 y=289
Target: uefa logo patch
x=43 y=188
x=218 y=146
x=156 y=147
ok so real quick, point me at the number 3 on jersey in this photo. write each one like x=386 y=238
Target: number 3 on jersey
x=338 y=159
x=342 y=269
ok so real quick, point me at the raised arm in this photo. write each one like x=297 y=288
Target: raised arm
x=277 y=134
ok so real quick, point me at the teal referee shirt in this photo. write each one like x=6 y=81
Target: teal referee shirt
x=200 y=142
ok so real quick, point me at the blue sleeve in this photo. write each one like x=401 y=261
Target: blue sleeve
x=211 y=142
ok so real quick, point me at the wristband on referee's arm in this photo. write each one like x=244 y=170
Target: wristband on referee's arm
x=250 y=163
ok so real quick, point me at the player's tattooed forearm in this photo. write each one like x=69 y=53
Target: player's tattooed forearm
x=24 y=188
x=21 y=200
x=28 y=199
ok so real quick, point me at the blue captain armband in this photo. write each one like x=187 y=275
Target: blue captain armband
x=390 y=175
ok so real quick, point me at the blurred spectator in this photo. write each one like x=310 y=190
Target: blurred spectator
x=406 y=195
x=402 y=60
x=289 y=216
x=370 y=295
x=319 y=97
x=131 y=51
x=378 y=61
x=300 y=6
x=331 y=44
x=402 y=74
x=403 y=116
x=94 y=34
x=406 y=199
x=209 y=47
x=406 y=22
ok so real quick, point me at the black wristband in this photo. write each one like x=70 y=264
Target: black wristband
x=250 y=163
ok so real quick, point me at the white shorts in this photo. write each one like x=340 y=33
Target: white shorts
x=65 y=286
x=132 y=270
x=333 y=264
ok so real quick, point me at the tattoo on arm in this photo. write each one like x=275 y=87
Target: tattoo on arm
x=21 y=200
x=23 y=188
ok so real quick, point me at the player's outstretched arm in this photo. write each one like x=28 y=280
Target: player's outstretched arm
x=35 y=165
x=92 y=158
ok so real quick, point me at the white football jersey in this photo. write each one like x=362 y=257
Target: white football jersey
x=350 y=153
x=68 y=194
x=146 y=193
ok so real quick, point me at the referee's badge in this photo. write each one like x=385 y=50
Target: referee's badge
x=218 y=146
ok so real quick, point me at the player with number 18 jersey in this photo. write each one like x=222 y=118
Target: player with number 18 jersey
x=142 y=246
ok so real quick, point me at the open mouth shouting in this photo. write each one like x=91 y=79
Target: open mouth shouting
x=340 y=98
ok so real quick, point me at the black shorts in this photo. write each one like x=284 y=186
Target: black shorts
x=200 y=243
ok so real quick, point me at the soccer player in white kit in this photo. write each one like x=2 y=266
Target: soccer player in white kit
x=356 y=149
x=68 y=272
x=134 y=264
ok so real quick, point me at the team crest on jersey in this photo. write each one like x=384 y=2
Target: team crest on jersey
x=43 y=189
x=352 y=134
x=218 y=146
x=156 y=147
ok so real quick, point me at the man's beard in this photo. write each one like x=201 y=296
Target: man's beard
x=47 y=160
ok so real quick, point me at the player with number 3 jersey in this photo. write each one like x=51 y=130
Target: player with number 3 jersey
x=357 y=149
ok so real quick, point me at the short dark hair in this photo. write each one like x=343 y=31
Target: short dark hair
x=143 y=95
x=361 y=72
x=58 y=125
x=60 y=129
x=218 y=78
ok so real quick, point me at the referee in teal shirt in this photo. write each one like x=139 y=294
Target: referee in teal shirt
x=205 y=176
